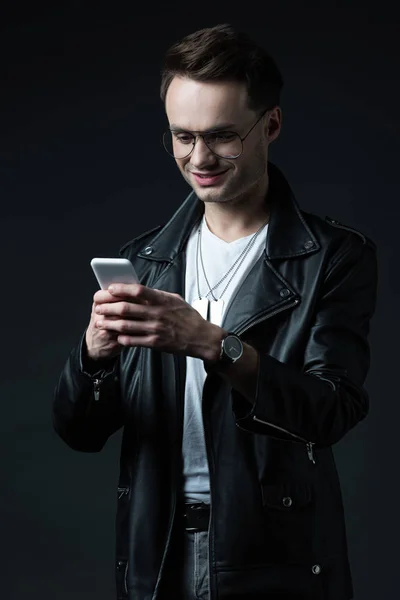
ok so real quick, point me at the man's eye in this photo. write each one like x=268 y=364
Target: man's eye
x=184 y=138
x=221 y=137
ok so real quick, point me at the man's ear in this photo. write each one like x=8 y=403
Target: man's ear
x=274 y=124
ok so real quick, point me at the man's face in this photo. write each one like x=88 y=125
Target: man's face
x=199 y=107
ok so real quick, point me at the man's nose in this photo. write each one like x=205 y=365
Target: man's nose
x=202 y=156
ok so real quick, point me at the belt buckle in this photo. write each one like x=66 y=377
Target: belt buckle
x=197 y=516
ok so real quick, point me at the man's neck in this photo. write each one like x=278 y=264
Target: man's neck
x=231 y=221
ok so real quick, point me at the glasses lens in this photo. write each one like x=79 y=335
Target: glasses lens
x=178 y=145
x=226 y=144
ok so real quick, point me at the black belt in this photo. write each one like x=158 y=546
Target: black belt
x=196 y=516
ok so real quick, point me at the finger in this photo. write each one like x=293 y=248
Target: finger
x=127 y=310
x=102 y=296
x=127 y=327
x=145 y=341
x=107 y=336
x=138 y=293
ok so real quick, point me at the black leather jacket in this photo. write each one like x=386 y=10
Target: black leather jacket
x=277 y=523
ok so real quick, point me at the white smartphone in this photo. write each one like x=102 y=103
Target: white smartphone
x=113 y=270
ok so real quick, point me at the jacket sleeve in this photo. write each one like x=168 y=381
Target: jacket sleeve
x=322 y=401
x=87 y=406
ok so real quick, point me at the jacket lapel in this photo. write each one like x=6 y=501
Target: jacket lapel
x=263 y=293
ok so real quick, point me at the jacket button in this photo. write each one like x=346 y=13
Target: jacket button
x=316 y=569
x=284 y=293
x=287 y=502
x=309 y=244
x=149 y=250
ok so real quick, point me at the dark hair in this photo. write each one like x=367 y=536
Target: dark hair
x=221 y=54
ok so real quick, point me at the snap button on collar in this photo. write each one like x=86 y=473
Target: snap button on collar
x=284 y=293
x=316 y=569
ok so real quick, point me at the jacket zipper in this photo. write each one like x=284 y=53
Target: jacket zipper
x=122 y=491
x=268 y=315
x=96 y=389
x=309 y=445
x=126 y=578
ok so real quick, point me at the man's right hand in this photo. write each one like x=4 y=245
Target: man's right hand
x=100 y=343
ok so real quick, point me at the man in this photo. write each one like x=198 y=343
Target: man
x=235 y=365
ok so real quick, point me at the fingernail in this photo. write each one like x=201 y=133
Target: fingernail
x=111 y=289
x=98 y=309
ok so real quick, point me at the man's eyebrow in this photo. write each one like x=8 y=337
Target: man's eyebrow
x=222 y=127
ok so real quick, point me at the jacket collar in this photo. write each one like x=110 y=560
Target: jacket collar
x=288 y=234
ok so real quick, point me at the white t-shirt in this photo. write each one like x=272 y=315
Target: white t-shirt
x=218 y=257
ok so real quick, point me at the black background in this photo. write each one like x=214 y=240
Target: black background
x=83 y=171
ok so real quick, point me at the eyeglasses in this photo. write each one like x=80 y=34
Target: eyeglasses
x=224 y=144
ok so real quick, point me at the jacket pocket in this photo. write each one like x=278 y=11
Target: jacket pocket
x=289 y=518
x=121 y=578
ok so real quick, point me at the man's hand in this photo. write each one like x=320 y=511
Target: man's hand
x=100 y=343
x=135 y=315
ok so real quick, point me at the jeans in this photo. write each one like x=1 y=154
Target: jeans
x=195 y=578
x=186 y=570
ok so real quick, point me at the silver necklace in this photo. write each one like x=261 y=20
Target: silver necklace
x=212 y=310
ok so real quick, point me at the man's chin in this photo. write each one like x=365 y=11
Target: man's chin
x=211 y=194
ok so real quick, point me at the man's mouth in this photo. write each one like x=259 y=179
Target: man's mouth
x=208 y=178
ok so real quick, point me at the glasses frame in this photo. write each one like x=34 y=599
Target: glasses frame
x=196 y=135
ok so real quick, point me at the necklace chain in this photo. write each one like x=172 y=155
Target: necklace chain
x=238 y=262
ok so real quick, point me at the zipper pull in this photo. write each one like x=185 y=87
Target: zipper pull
x=310 y=452
x=122 y=491
x=96 y=386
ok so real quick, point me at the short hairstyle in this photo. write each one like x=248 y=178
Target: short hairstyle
x=222 y=54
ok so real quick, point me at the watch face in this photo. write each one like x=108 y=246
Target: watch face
x=233 y=347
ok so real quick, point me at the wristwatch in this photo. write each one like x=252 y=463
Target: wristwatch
x=231 y=349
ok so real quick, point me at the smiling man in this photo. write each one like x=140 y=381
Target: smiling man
x=235 y=365
x=217 y=169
